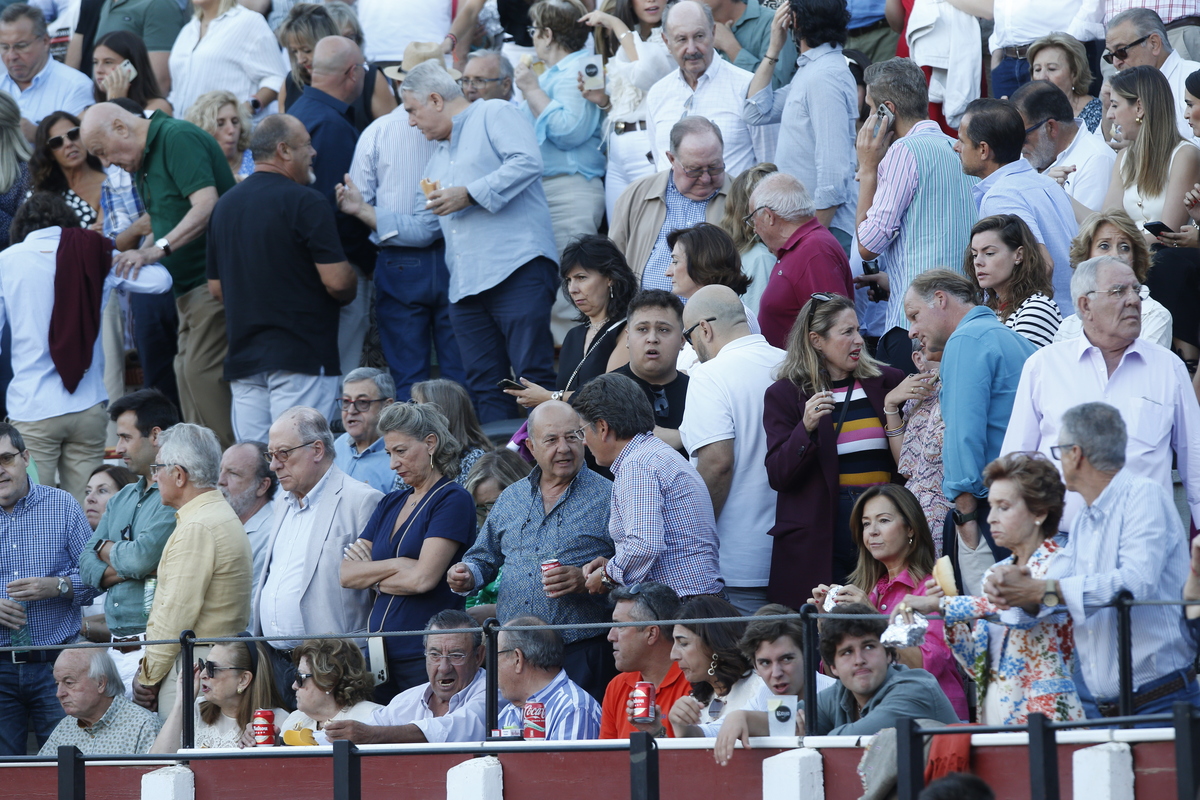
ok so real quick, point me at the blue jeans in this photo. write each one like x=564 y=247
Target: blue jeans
x=156 y=333
x=507 y=327
x=27 y=692
x=412 y=308
x=1011 y=74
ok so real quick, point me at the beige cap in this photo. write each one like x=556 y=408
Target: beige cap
x=418 y=53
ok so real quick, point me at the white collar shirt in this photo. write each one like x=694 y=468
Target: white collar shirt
x=462 y=722
x=56 y=88
x=1093 y=160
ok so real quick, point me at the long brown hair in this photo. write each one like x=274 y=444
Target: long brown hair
x=262 y=692
x=1030 y=275
x=1147 y=161
x=921 y=553
x=803 y=365
x=737 y=205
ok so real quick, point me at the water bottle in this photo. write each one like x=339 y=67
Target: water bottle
x=21 y=636
x=148 y=594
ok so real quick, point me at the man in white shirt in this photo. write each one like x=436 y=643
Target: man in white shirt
x=248 y=485
x=450 y=708
x=1056 y=144
x=38 y=83
x=322 y=511
x=723 y=430
x=703 y=86
x=1136 y=38
x=1148 y=384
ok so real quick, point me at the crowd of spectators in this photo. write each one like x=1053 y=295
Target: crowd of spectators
x=767 y=313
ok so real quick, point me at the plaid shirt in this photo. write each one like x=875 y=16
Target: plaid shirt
x=43 y=536
x=120 y=202
x=661 y=521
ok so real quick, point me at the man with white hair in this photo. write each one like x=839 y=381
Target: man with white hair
x=488 y=75
x=322 y=512
x=488 y=203
x=1137 y=37
x=204 y=576
x=811 y=259
x=1146 y=383
x=99 y=718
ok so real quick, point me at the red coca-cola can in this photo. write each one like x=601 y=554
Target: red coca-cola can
x=643 y=701
x=549 y=564
x=535 y=721
x=264 y=727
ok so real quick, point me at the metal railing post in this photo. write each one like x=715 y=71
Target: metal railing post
x=71 y=784
x=187 y=657
x=643 y=767
x=910 y=759
x=1043 y=759
x=491 y=633
x=347 y=771
x=812 y=659
x=1187 y=751
x=1125 y=651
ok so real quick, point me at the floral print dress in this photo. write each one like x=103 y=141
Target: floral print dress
x=1019 y=670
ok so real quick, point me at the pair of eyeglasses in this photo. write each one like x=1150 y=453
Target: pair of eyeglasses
x=1057 y=450
x=7 y=459
x=687 y=335
x=211 y=669
x=748 y=220
x=484 y=508
x=570 y=437
x=711 y=171
x=816 y=299
x=533 y=31
x=477 y=83
x=283 y=454
x=456 y=659
x=56 y=142
x=1120 y=291
x=154 y=468
x=1121 y=53
x=361 y=405
x=1033 y=128
x=301 y=677
x=20 y=47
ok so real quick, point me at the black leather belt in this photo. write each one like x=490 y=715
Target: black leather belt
x=33 y=656
x=135 y=640
x=1142 y=698
x=874 y=26
x=629 y=127
x=1016 y=52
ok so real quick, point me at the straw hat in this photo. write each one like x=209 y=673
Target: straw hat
x=418 y=53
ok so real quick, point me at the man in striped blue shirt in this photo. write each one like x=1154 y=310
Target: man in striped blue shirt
x=1128 y=536
x=529 y=670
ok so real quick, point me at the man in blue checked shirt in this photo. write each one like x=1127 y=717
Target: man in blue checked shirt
x=529 y=670
x=42 y=533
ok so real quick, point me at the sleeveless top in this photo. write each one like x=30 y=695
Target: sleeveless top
x=360 y=109
x=1146 y=208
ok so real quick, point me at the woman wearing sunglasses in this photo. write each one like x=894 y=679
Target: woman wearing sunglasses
x=230 y=684
x=60 y=164
x=833 y=429
x=332 y=682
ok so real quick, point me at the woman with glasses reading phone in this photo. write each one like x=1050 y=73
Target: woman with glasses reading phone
x=833 y=429
x=233 y=682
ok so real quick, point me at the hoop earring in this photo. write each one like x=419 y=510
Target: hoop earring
x=712 y=668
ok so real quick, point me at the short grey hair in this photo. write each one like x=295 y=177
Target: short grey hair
x=785 y=195
x=450 y=620
x=651 y=601
x=943 y=280
x=1098 y=430
x=900 y=81
x=196 y=449
x=505 y=66
x=420 y=420
x=382 y=379
x=543 y=648
x=103 y=666
x=311 y=425
x=1085 y=278
x=1145 y=22
x=695 y=125
x=708 y=14
x=430 y=77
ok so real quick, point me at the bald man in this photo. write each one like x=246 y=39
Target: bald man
x=324 y=109
x=180 y=171
x=723 y=430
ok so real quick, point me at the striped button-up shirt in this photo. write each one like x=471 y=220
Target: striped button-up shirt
x=662 y=521
x=389 y=162
x=682 y=212
x=571 y=713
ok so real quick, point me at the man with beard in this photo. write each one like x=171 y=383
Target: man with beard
x=248 y=485
x=1055 y=144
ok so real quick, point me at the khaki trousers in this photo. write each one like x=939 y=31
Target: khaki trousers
x=66 y=448
x=199 y=364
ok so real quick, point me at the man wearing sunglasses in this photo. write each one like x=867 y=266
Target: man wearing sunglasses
x=1137 y=37
x=359 y=452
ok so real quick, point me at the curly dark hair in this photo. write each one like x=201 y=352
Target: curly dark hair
x=712 y=257
x=47 y=175
x=723 y=639
x=820 y=21
x=834 y=631
x=599 y=254
x=41 y=210
x=338 y=667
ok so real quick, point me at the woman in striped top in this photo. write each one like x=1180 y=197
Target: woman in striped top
x=827 y=443
x=1006 y=262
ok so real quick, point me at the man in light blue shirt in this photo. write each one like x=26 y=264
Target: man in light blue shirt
x=359 y=452
x=989 y=144
x=38 y=83
x=490 y=207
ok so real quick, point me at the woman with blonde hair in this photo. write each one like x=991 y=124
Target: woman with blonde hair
x=757 y=258
x=222 y=117
x=1060 y=59
x=1005 y=261
x=14 y=164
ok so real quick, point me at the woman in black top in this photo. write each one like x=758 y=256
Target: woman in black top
x=598 y=282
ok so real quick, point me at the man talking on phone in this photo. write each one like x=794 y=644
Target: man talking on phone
x=915 y=210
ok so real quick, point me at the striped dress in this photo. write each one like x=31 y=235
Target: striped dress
x=1037 y=319
x=863 y=455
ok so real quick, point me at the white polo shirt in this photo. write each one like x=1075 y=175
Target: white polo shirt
x=1093 y=160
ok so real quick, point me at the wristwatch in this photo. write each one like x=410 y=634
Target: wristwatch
x=608 y=583
x=99 y=545
x=64 y=586
x=165 y=245
x=962 y=519
x=1051 y=599
x=556 y=395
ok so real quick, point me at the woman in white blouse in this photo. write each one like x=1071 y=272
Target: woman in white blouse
x=641 y=60
x=332 y=683
x=225 y=46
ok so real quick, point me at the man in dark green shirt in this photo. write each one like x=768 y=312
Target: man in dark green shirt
x=180 y=172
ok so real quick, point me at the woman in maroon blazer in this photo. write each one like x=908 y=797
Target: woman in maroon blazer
x=823 y=448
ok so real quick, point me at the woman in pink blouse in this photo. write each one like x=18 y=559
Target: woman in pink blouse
x=895 y=556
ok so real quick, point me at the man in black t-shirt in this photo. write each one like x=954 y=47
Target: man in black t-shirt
x=655 y=332
x=277 y=262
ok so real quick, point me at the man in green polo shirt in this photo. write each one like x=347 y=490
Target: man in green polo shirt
x=155 y=22
x=180 y=172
